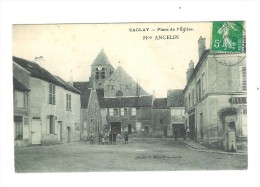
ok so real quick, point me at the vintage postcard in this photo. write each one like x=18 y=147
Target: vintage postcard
x=162 y=96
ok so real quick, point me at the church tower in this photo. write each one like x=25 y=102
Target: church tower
x=101 y=70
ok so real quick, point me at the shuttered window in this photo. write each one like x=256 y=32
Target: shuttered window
x=52 y=94
x=244 y=81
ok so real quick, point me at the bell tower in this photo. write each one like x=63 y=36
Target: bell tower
x=101 y=70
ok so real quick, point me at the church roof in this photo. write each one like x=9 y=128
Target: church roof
x=85 y=90
x=121 y=75
x=101 y=59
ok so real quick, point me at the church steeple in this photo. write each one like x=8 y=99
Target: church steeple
x=101 y=70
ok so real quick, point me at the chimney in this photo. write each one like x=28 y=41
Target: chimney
x=71 y=78
x=189 y=71
x=201 y=45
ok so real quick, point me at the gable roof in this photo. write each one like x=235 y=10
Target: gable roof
x=121 y=75
x=19 y=86
x=85 y=90
x=118 y=102
x=160 y=103
x=175 y=98
x=38 y=72
x=101 y=59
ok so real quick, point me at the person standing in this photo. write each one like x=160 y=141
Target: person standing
x=126 y=137
x=187 y=133
x=106 y=137
x=114 y=138
x=91 y=137
x=175 y=133
x=110 y=138
x=99 y=137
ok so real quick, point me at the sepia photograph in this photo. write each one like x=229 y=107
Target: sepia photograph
x=130 y=97
x=129 y=93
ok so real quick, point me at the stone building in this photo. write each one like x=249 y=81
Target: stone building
x=53 y=105
x=90 y=110
x=175 y=101
x=215 y=98
x=161 y=117
x=125 y=106
x=21 y=112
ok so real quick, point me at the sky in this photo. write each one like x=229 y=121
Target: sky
x=158 y=64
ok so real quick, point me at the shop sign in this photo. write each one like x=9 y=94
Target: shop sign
x=238 y=100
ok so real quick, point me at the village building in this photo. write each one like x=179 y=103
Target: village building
x=215 y=99
x=161 y=118
x=125 y=106
x=53 y=105
x=90 y=110
x=175 y=101
x=21 y=112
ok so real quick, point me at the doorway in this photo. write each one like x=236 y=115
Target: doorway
x=60 y=137
x=36 y=132
x=192 y=127
x=129 y=128
x=116 y=127
x=201 y=126
x=69 y=134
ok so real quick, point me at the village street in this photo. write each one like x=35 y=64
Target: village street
x=139 y=155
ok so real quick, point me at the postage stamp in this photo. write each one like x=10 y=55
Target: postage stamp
x=228 y=37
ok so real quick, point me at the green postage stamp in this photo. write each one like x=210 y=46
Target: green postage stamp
x=228 y=37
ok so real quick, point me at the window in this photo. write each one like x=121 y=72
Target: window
x=198 y=87
x=203 y=83
x=20 y=99
x=68 y=102
x=182 y=112
x=193 y=97
x=244 y=82
x=122 y=111
x=133 y=111
x=97 y=73
x=103 y=73
x=18 y=125
x=119 y=94
x=51 y=124
x=116 y=112
x=52 y=94
x=111 y=112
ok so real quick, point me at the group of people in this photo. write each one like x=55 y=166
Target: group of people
x=107 y=138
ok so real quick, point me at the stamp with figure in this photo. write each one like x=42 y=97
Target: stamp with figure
x=228 y=37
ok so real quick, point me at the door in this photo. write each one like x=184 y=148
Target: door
x=201 y=126
x=116 y=127
x=36 y=132
x=69 y=133
x=60 y=130
x=192 y=127
x=129 y=128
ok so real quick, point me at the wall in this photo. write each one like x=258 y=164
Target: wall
x=92 y=112
x=40 y=107
x=22 y=76
x=161 y=120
